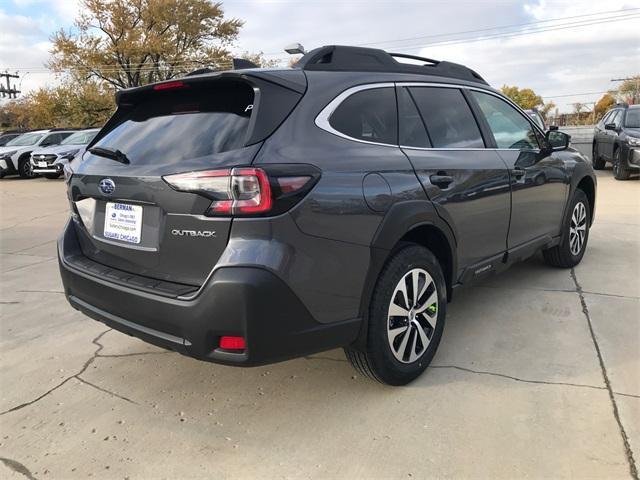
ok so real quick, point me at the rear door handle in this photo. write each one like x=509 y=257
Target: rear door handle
x=442 y=181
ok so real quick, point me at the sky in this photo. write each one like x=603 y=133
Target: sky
x=561 y=61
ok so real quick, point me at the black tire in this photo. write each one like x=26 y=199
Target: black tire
x=620 y=169
x=596 y=160
x=562 y=255
x=378 y=361
x=25 y=170
x=52 y=176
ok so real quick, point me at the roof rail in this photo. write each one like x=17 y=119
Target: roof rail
x=349 y=59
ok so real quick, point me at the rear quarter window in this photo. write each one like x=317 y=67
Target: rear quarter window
x=175 y=125
x=369 y=115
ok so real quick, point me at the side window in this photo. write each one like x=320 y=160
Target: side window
x=448 y=118
x=412 y=129
x=510 y=128
x=617 y=119
x=607 y=117
x=51 y=140
x=369 y=115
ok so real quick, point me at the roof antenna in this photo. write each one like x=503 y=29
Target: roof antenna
x=294 y=49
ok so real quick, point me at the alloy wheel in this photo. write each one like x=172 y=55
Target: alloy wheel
x=412 y=315
x=577 y=228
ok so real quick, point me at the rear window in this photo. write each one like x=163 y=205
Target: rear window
x=368 y=115
x=174 y=125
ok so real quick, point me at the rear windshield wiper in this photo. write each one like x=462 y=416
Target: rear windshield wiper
x=116 y=155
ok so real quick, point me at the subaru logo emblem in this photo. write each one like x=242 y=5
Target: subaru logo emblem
x=107 y=186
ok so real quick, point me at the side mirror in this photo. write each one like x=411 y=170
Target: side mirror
x=557 y=140
x=610 y=126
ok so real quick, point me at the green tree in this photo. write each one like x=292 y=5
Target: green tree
x=128 y=43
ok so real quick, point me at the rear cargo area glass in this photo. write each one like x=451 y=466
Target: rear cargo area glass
x=169 y=126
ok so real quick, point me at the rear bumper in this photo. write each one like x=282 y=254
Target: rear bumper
x=240 y=301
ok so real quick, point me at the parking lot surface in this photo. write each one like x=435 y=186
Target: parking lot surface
x=538 y=376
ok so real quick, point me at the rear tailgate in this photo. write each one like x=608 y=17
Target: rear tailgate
x=128 y=217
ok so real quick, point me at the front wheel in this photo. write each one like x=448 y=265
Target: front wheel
x=406 y=318
x=25 y=169
x=620 y=169
x=569 y=252
x=597 y=161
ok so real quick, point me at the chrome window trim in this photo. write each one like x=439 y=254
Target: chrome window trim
x=322 y=119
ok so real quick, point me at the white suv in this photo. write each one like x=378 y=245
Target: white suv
x=50 y=161
x=15 y=155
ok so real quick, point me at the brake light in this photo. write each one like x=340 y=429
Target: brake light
x=248 y=191
x=169 y=86
x=241 y=191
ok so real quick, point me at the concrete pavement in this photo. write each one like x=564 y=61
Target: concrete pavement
x=538 y=376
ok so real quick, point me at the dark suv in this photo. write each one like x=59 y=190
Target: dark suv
x=616 y=139
x=252 y=216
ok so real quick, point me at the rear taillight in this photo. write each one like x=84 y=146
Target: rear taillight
x=242 y=191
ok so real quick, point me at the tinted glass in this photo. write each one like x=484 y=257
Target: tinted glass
x=79 y=138
x=412 y=130
x=607 y=116
x=617 y=118
x=171 y=126
x=26 y=139
x=368 y=115
x=510 y=128
x=449 y=121
x=633 y=118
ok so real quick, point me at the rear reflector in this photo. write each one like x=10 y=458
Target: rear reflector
x=232 y=343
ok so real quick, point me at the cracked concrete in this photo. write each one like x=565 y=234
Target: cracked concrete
x=537 y=376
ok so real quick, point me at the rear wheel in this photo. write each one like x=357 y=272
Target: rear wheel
x=571 y=249
x=597 y=162
x=620 y=169
x=406 y=318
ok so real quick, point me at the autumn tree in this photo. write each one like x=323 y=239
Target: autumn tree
x=67 y=105
x=128 y=43
x=629 y=90
x=603 y=105
x=527 y=99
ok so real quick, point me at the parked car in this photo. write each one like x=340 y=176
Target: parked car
x=247 y=217
x=616 y=139
x=15 y=155
x=8 y=136
x=50 y=161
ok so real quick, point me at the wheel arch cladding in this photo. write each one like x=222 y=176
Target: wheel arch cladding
x=407 y=222
x=587 y=185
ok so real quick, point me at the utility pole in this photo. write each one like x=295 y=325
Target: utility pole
x=9 y=91
x=636 y=94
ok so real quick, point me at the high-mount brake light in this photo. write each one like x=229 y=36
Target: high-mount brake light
x=169 y=86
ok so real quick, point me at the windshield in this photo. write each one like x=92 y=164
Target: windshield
x=633 y=118
x=80 y=138
x=184 y=124
x=26 y=139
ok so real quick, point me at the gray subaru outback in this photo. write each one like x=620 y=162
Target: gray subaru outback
x=252 y=216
